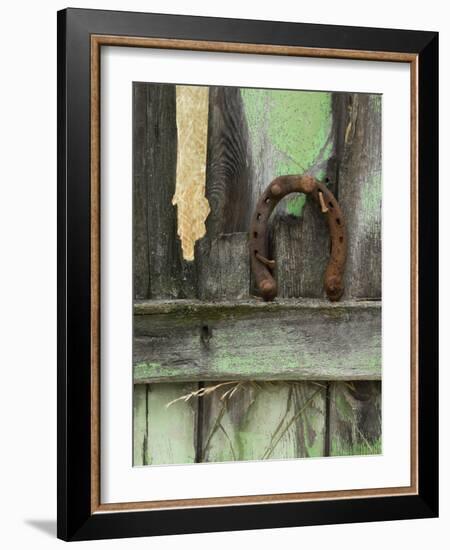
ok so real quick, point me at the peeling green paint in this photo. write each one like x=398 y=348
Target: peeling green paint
x=291 y=364
x=297 y=124
x=170 y=430
x=375 y=102
x=295 y=205
x=290 y=132
x=371 y=200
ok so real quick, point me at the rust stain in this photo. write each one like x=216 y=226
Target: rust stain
x=192 y=130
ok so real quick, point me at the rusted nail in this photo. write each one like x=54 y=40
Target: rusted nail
x=323 y=206
x=265 y=261
x=258 y=243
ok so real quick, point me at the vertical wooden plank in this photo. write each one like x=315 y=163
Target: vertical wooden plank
x=159 y=268
x=355 y=408
x=224 y=273
x=264 y=420
x=355 y=418
x=222 y=418
x=276 y=420
x=139 y=424
x=286 y=420
x=292 y=133
x=162 y=436
x=171 y=434
x=359 y=193
x=141 y=266
x=300 y=247
x=222 y=256
x=229 y=173
x=295 y=132
x=223 y=267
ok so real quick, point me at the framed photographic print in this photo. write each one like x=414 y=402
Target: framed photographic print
x=247 y=274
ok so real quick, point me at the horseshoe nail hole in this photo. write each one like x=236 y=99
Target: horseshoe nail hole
x=327 y=180
x=330 y=204
x=258 y=216
x=267 y=200
x=255 y=234
x=341 y=239
x=338 y=221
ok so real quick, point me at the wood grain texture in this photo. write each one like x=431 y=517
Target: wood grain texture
x=159 y=268
x=355 y=418
x=290 y=132
x=223 y=267
x=264 y=421
x=355 y=409
x=238 y=47
x=248 y=420
x=228 y=175
x=359 y=193
x=170 y=429
x=300 y=246
x=294 y=340
x=140 y=441
x=294 y=133
x=141 y=258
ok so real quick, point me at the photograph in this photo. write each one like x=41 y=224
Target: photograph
x=256 y=274
x=247 y=274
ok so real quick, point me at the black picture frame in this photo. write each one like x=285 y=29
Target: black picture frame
x=76 y=521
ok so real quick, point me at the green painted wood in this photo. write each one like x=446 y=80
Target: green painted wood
x=355 y=409
x=290 y=340
x=139 y=424
x=301 y=127
x=229 y=171
x=359 y=194
x=355 y=418
x=170 y=429
x=290 y=132
x=257 y=421
x=299 y=237
x=161 y=436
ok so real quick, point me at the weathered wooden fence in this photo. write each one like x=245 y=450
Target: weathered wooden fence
x=298 y=377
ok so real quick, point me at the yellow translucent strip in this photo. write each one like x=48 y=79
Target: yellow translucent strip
x=192 y=128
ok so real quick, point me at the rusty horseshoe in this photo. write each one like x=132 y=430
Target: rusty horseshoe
x=258 y=242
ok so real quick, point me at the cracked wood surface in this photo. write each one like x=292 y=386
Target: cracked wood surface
x=289 y=340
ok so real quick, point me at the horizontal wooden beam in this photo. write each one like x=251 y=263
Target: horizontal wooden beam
x=191 y=340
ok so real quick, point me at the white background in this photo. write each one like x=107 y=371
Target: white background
x=28 y=275
x=120 y=482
